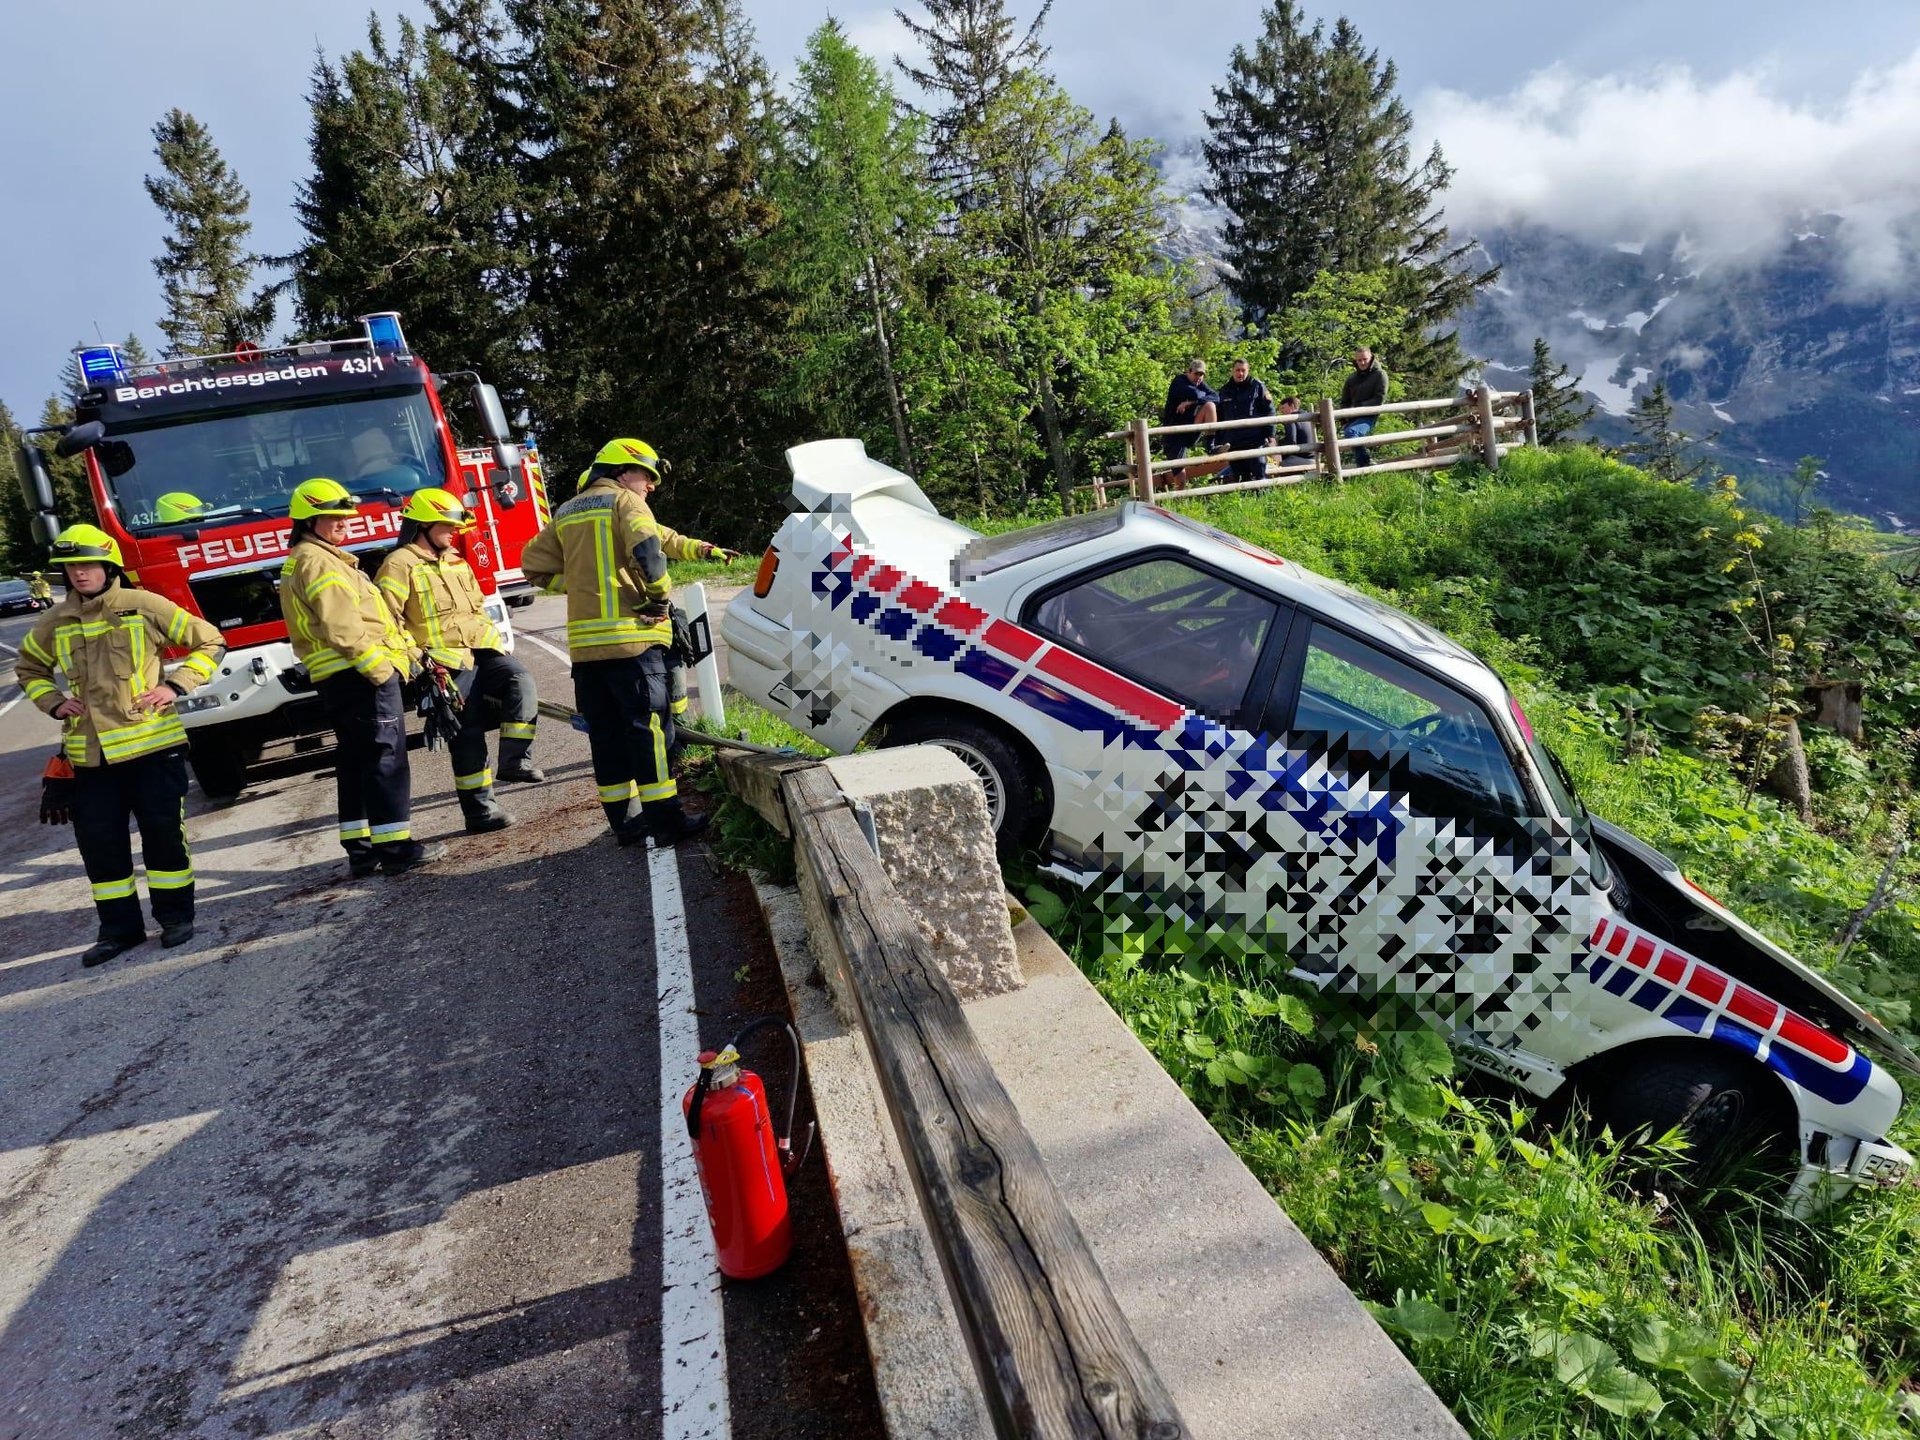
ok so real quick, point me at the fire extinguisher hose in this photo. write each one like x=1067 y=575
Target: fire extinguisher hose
x=732 y=1049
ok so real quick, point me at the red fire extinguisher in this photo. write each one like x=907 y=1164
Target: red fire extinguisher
x=742 y=1163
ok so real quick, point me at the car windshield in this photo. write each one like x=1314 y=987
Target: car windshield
x=244 y=465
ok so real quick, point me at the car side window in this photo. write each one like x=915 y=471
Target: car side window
x=1410 y=731
x=1189 y=634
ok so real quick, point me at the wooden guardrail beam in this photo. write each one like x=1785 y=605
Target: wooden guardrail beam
x=1056 y=1359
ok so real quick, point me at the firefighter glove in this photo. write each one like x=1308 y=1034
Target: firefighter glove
x=56 y=791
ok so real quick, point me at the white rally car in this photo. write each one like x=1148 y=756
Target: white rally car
x=1240 y=741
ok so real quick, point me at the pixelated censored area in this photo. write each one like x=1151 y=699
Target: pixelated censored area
x=1483 y=929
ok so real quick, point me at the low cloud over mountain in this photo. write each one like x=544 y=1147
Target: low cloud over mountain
x=1737 y=164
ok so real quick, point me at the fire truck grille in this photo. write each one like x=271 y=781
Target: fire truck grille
x=245 y=597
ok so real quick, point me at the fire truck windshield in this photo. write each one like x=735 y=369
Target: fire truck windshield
x=243 y=465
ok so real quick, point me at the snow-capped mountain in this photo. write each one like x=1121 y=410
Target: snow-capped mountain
x=1781 y=354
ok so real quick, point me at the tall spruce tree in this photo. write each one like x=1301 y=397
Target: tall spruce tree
x=1660 y=447
x=850 y=186
x=204 y=266
x=401 y=209
x=973 y=50
x=1561 y=408
x=1308 y=151
x=642 y=211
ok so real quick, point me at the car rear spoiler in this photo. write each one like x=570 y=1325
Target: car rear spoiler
x=832 y=474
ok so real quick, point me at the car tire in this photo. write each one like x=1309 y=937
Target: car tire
x=219 y=769
x=1731 y=1109
x=1015 y=803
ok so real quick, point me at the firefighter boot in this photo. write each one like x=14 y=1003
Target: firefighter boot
x=108 y=946
x=398 y=859
x=663 y=823
x=618 y=820
x=516 y=764
x=482 y=812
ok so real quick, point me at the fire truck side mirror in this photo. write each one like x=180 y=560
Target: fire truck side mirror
x=493 y=418
x=80 y=438
x=36 y=488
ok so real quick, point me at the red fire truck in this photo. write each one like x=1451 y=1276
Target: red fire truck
x=234 y=434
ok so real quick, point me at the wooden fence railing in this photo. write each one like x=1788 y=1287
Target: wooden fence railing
x=1484 y=424
x=1055 y=1357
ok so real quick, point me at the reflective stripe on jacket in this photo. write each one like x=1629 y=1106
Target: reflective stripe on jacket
x=336 y=617
x=104 y=651
x=439 y=601
x=588 y=548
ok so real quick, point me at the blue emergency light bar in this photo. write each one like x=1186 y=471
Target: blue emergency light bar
x=383 y=330
x=101 y=364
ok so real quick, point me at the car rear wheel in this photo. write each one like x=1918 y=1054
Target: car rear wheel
x=1015 y=804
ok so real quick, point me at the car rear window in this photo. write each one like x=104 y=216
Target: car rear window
x=996 y=552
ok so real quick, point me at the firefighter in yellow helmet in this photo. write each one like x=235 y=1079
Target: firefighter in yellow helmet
x=438 y=599
x=177 y=507
x=94 y=661
x=39 y=589
x=344 y=633
x=609 y=554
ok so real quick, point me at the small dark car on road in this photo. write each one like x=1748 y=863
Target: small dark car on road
x=16 y=599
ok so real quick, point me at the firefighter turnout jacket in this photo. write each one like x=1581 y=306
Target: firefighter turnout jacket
x=587 y=550
x=337 y=618
x=105 y=650
x=440 y=604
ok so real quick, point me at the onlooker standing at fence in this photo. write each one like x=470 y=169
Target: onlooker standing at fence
x=1245 y=398
x=1190 y=401
x=1366 y=385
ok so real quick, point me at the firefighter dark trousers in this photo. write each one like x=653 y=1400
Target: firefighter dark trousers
x=628 y=708
x=500 y=684
x=152 y=791
x=370 y=767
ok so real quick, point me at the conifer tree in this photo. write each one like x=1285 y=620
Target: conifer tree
x=1661 y=447
x=1308 y=149
x=400 y=210
x=204 y=267
x=972 y=55
x=641 y=210
x=19 y=551
x=854 y=209
x=1560 y=407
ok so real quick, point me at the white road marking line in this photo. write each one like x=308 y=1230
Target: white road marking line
x=8 y=648
x=546 y=645
x=13 y=702
x=693 y=1336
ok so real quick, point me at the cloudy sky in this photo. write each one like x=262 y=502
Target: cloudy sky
x=1722 y=116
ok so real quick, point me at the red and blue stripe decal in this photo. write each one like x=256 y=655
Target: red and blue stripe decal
x=1686 y=991
x=1084 y=696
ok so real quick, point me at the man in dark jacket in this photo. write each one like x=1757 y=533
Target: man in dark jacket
x=1245 y=398
x=1190 y=401
x=1367 y=385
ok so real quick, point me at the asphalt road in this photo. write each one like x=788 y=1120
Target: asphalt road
x=390 y=1157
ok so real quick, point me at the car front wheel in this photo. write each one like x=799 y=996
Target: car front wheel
x=1014 y=801
x=1731 y=1111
